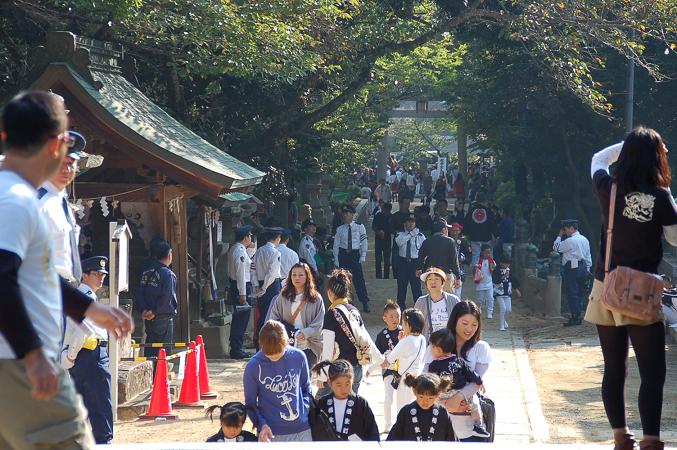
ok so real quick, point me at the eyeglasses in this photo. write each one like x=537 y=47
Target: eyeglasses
x=70 y=167
x=66 y=138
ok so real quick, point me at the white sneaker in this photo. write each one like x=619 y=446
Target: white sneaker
x=505 y=324
x=490 y=316
x=501 y=329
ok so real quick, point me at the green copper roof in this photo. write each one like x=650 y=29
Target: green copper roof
x=136 y=111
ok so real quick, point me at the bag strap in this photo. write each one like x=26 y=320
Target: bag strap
x=413 y=360
x=610 y=228
x=298 y=311
x=342 y=323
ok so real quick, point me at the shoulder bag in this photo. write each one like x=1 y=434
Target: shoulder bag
x=627 y=291
x=397 y=377
x=352 y=332
x=290 y=327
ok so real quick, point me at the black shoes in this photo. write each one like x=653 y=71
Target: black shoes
x=240 y=355
x=573 y=322
x=479 y=431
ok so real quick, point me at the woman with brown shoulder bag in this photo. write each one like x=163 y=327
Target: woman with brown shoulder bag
x=638 y=211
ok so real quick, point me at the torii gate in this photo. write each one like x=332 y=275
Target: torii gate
x=424 y=110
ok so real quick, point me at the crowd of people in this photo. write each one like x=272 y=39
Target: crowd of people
x=303 y=382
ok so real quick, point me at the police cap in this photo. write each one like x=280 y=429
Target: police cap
x=307 y=222
x=570 y=223
x=410 y=217
x=95 y=264
x=349 y=209
x=242 y=232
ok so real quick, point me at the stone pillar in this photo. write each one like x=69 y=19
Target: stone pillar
x=553 y=290
x=382 y=158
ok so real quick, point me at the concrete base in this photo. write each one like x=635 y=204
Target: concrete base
x=132 y=410
x=215 y=338
x=134 y=378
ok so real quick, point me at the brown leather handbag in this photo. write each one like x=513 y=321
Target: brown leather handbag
x=627 y=291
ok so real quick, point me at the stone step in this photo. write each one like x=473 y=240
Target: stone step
x=395 y=445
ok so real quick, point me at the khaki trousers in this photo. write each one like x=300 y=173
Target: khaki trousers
x=25 y=423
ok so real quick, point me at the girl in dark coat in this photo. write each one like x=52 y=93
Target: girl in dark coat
x=349 y=413
x=423 y=420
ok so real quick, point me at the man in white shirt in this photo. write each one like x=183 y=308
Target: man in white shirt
x=409 y=242
x=240 y=289
x=288 y=257
x=576 y=259
x=60 y=219
x=38 y=399
x=307 y=248
x=266 y=275
x=350 y=251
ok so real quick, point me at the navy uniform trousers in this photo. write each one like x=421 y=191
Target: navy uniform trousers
x=407 y=276
x=574 y=283
x=263 y=305
x=350 y=260
x=92 y=380
x=238 y=326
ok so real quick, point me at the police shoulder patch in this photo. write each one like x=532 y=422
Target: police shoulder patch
x=307 y=245
x=242 y=258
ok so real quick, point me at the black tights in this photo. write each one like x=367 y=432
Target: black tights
x=649 y=345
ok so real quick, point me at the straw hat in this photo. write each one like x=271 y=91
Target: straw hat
x=436 y=271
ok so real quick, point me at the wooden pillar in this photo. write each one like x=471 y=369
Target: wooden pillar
x=382 y=158
x=176 y=223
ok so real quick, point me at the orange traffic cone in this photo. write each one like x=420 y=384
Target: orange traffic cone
x=160 y=401
x=190 y=388
x=206 y=392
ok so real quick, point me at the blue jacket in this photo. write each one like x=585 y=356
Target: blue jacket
x=157 y=290
x=277 y=393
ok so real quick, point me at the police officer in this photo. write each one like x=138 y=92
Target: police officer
x=85 y=354
x=240 y=290
x=288 y=257
x=307 y=248
x=266 y=275
x=59 y=216
x=157 y=295
x=409 y=243
x=350 y=251
x=576 y=261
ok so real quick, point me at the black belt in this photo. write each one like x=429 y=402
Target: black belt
x=345 y=250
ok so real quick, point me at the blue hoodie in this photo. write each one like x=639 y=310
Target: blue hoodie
x=277 y=393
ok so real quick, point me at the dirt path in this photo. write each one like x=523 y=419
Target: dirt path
x=568 y=366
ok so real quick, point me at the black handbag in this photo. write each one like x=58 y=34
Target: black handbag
x=320 y=427
x=488 y=415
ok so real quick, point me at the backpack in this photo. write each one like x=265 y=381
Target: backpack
x=357 y=334
x=488 y=415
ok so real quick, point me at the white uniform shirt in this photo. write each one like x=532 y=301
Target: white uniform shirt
x=76 y=334
x=239 y=266
x=266 y=265
x=573 y=249
x=51 y=204
x=307 y=251
x=288 y=258
x=23 y=231
x=435 y=173
x=359 y=239
x=415 y=237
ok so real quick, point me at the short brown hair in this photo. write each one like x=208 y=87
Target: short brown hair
x=273 y=337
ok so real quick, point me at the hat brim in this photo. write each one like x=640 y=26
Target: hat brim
x=77 y=144
x=424 y=276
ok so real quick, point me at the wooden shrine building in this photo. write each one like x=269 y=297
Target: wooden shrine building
x=152 y=163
